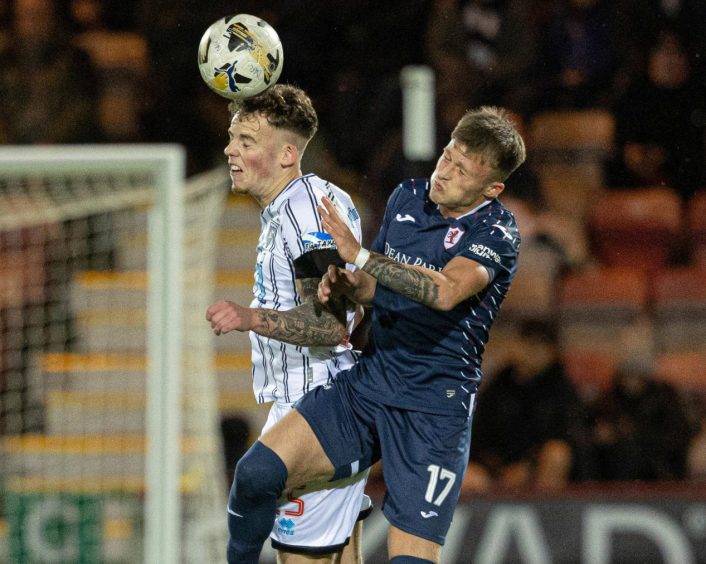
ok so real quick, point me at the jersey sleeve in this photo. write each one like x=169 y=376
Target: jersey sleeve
x=306 y=242
x=314 y=264
x=494 y=246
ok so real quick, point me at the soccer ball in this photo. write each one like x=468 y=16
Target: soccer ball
x=240 y=56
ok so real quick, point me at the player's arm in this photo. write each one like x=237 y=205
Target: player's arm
x=310 y=324
x=460 y=279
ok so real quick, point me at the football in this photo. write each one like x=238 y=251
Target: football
x=239 y=56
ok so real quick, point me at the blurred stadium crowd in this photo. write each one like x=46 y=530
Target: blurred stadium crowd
x=605 y=327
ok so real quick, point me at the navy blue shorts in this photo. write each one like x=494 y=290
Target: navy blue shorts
x=424 y=455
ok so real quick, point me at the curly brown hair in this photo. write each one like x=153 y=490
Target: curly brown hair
x=285 y=107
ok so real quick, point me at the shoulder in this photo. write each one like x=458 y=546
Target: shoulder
x=306 y=191
x=410 y=189
x=300 y=192
x=496 y=222
x=415 y=188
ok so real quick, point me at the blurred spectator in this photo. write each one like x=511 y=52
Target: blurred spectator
x=660 y=123
x=540 y=226
x=48 y=87
x=640 y=429
x=578 y=55
x=483 y=51
x=642 y=20
x=373 y=42
x=112 y=15
x=529 y=429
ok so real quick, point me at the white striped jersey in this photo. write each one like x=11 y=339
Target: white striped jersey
x=291 y=227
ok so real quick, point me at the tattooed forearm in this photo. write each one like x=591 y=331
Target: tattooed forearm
x=310 y=324
x=301 y=326
x=415 y=284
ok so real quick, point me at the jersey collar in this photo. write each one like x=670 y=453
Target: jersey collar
x=474 y=210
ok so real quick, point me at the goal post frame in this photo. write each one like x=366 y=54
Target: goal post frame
x=162 y=512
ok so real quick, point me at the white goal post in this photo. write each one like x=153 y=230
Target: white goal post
x=54 y=184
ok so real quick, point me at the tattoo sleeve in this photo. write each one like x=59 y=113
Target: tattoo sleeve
x=415 y=284
x=310 y=324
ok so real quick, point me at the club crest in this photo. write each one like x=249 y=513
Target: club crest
x=452 y=237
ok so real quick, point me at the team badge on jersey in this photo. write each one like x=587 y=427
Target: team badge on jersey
x=452 y=237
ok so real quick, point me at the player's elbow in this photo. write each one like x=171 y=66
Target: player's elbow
x=443 y=305
x=445 y=301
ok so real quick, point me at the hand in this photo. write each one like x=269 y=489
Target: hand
x=335 y=226
x=228 y=316
x=335 y=282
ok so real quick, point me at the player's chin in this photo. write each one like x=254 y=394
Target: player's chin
x=435 y=196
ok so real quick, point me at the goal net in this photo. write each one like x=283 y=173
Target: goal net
x=110 y=446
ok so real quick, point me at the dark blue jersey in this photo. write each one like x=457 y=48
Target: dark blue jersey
x=417 y=357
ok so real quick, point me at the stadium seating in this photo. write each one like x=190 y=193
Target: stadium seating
x=96 y=323
x=534 y=286
x=568 y=150
x=122 y=61
x=679 y=306
x=597 y=306
x=591 y=372
x=587 y=131
x=636 y=228
x=685 y=371
x=696 y=215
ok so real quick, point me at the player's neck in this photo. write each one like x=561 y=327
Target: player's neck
x=278 y=185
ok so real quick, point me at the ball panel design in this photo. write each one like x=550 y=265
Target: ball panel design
x=239 y=56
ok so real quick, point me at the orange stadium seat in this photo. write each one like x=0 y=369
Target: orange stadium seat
x=597 y=306
x=696 y=218
x=578 y=130
x=679 y=305
x=122 y=61
x=568 y=150
x=684 y=371
x=637 y=228
x=591 y=372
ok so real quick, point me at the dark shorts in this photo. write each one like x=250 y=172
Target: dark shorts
x=424 y=455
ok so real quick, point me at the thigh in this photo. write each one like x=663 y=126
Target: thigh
x=344 y=422
x=277 y=411
x=294 y=441
x=424 y=457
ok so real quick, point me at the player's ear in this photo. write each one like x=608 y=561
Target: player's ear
x=289 y=154
x=493 y=190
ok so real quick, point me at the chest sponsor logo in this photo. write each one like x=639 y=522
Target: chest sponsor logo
x=399 y=256
x=452 y=237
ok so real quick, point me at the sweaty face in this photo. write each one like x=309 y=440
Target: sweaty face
x=461 y=181
x=253 y=153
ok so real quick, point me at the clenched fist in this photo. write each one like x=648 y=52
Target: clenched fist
x=228 y=316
